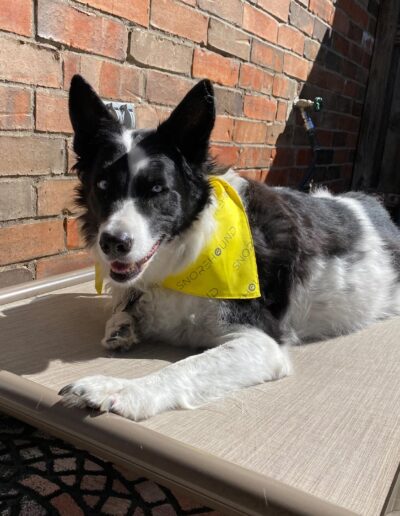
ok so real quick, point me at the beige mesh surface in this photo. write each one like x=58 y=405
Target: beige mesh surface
x=331 y=430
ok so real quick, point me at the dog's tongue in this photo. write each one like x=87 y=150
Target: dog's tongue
x=121 y=267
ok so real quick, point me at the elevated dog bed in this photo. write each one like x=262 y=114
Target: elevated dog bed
x=324 y=441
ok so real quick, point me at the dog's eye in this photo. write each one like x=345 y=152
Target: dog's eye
x=157 y=189
x=102 y=184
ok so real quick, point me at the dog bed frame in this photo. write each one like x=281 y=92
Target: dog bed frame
x=325 y=441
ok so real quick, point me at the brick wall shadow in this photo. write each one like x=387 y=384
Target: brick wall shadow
x=341 y=55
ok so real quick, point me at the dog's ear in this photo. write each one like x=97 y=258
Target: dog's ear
x=89 y=116
x=190 y=124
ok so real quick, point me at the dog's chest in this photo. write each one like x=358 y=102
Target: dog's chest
x=176 y=318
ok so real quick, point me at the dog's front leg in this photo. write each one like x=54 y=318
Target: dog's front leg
x=246 y=358
x=119 y=334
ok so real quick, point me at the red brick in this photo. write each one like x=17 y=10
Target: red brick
x=221 y=70
x=71 y=159
x=351 y=89
x=303 y=157
x=15 y=107
x=25 y=241
x=341 y=156
x=133 y=10
x=295 y=66
x=228 y=102
x=250 y=157
x=158 y=52
x=87 y=66
x=17 y=199
x=162 y=88
x=255 y=79
x=223 y=129
x=65 y=263
x=225 y=155
x=249 y=132
x=260 y=108
x=342 y=21
x=275 y=132
x=354 y=11
x=323 y=9
x=278 y=8
x=14 y=276
x=176 y=18
x=301 y=18
x=252 y=174
x=284 y=87
x=121 y=81
x=311 y=49
x=31 y=155
x=267 y=56
x=58 y=21
x=260 y=23
x=277 y=177
x=74 y=238
x=30 y=64
x=281 y=112
x=110 y=79
x=283 y=156
x=326 y=79
x=56 y=196
x=16 y=16
x=149 y=117
x=52 y=112
x=228 y=39
x=291 y=38
x=230 y=10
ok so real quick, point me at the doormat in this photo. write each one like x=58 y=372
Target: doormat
x=41 y=475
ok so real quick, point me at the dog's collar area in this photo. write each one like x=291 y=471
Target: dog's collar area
x=226 y=267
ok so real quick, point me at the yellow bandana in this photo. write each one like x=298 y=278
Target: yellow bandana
x=98 y=279
x=226 y=267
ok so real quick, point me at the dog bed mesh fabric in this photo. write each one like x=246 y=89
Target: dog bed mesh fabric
x=325 y=440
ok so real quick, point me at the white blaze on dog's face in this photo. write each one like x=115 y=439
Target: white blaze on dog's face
x=139 y=189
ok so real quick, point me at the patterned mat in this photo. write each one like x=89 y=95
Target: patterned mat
x=41 y=475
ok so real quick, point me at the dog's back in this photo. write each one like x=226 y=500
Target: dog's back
x=329 y=264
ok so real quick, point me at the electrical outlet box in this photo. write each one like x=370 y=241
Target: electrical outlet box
x=124 y=112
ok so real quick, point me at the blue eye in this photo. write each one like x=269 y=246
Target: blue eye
x=102 y=184
x=157 y=189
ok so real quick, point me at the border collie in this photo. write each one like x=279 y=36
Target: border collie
x=328 y=265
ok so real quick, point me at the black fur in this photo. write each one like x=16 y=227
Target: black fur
x=289 y=228
x=178 y=161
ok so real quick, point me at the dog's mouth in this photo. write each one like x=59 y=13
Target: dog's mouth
x=122 y=271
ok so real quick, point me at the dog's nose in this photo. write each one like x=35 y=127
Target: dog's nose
x=115 y=245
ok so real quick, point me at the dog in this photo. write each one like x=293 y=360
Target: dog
x=327 y=264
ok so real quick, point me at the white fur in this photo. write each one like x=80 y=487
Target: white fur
x=248 y=357
x=127 y=139
x=343 y=296
x=340 y=296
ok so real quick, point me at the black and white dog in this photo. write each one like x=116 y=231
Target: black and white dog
x=328 y=265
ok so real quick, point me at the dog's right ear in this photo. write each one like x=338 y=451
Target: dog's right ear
x=89 y=116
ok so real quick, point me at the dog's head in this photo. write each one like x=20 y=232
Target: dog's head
x=139 y=189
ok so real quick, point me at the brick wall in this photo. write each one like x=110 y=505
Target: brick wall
x=260 y=53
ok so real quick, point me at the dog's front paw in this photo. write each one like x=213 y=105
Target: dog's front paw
x=127 y=398
x=92 y=391
x=119 y=334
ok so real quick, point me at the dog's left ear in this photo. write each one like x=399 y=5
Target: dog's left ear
x=90 y=118
x=190 y=124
